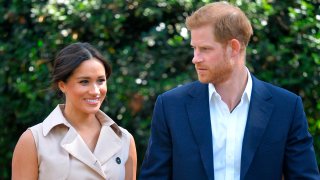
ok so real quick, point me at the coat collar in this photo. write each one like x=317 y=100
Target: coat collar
x=56 y=117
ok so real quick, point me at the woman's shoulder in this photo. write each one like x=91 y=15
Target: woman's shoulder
x=36 y=129
x=125 y=133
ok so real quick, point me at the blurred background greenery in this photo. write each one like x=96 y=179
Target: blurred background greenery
x=148 y=46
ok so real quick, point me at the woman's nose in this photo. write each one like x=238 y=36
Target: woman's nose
x=95 y=89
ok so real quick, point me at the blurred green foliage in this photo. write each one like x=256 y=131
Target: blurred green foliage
x=148 y=46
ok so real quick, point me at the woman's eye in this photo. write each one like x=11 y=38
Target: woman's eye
x=101 y=81
x=84 y=82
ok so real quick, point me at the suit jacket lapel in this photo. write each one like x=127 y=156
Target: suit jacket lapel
x=258 y=117
x=199 y=119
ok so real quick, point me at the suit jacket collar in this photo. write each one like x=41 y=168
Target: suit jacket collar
x=260 y=110
x=199 y=119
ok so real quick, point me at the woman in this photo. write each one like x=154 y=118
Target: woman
x=77 y=140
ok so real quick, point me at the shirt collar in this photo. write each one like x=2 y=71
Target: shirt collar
x=246 y=92
x=56 y=118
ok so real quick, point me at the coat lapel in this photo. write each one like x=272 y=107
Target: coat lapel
x=199 y=119
x=74 y=145
x=108 y=145
x=258 y=117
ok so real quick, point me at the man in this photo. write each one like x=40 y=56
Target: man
x=230 y=125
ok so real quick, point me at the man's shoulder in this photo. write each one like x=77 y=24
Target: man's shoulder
x=273 y=89
x=183 y=90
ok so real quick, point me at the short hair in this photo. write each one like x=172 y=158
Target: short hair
x=70 y=57
x=228 y=22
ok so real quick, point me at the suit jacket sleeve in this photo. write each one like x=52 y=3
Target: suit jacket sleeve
x=300 y=161
x=157 y=162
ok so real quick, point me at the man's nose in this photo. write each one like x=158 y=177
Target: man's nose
x=196 y=57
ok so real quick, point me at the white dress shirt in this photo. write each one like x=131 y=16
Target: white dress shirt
x=227 y=132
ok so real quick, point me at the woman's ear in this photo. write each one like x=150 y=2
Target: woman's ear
x=61 y=86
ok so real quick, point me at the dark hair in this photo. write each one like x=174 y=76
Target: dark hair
x=70 y=57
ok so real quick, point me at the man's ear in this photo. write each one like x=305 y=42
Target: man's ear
x=235 y=47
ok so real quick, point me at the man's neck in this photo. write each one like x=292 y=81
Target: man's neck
x=231 y=90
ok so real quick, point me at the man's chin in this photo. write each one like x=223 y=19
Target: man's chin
x=204 y=81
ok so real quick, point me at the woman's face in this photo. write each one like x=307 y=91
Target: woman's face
x=86 y=88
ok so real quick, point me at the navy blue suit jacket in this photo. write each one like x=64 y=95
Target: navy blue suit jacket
x=276 y=139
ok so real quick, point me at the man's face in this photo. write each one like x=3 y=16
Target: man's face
x=211 y=59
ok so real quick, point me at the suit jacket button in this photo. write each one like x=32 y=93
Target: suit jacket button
x=118 y=160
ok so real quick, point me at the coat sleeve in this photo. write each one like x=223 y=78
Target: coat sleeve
x=300 y=161
x=157 y=163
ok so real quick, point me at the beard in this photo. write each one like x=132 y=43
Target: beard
x=218 y=73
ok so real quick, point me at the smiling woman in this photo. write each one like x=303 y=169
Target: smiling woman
x=77 y=140
x=85 y=89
